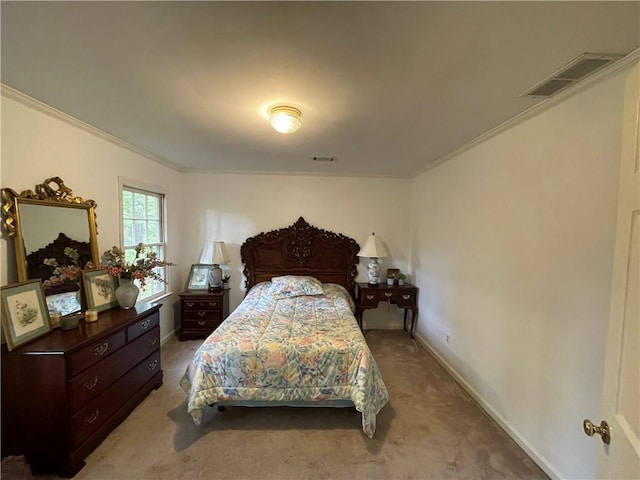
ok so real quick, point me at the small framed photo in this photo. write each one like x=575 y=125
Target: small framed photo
x=24 y=312
x=100 y=288
x=199 y=277
x=392 y=272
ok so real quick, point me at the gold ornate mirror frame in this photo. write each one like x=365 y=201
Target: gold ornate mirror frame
x=51 y=208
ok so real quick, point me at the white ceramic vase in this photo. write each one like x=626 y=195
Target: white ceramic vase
x=127 y=293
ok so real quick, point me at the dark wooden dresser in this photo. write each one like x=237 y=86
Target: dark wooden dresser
x=201 y=312
x=63 y=393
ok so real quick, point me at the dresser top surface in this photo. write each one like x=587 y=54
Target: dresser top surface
x=60 y=341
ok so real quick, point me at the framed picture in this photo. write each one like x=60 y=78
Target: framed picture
x=199 y=277
x=24 y=312
x=100 y=288
x=392 y=272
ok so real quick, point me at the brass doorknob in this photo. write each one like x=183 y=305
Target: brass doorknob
x=603 y=430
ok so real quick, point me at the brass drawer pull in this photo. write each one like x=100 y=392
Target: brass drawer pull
x=388 y=294
x=89 y=384
x=153 y=341
x=406 y=297
x=189 y=304
x=202 y=322
x=92 y=417
x=153 y=365
x=101 y=349
x=213 y=304
x=370 y=297
x=202 y=314
x=144 y=325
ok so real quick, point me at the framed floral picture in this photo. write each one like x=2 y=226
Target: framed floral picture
x=24 y=312
x=199 y=277
x=99 y=288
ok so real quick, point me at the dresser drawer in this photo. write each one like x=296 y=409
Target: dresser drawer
x=94 y=380
x=387 y=295
x=91 y=417
x=201 y=315
x=201 y=324
x=189 y=305
x=407 y=298
x=95 y=352
x=143 y=326
x=369 y=297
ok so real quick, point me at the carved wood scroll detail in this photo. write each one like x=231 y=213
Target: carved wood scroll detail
x=51 y=190
x=301 y=249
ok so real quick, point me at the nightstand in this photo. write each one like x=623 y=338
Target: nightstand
x=201 y=312
x=405 y=296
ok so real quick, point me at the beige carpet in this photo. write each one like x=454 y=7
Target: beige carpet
x=429 y=429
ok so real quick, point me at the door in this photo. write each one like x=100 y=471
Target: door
x=621 y=391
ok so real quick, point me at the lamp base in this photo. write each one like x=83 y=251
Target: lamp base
x=373 y=272
x=215 y=278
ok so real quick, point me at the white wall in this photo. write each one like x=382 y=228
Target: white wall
x=202 y=207
x=513 y=247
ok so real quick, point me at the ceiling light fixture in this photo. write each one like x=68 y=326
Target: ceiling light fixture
x=285 y=119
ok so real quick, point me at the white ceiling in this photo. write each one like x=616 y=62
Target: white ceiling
x=390 y=88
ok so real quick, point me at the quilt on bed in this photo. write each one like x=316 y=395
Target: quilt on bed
x=305 y=348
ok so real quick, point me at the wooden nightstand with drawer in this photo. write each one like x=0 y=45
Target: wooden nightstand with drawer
x=201 y=312
x=405 y=297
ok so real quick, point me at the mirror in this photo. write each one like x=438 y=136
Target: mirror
x=55 y=238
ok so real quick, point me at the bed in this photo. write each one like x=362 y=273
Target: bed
x=294 y=339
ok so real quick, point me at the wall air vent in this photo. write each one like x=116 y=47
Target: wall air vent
x=576 y=70
x=324 y=159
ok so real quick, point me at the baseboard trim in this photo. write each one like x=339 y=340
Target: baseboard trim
x=168 y=336
x=540 y=460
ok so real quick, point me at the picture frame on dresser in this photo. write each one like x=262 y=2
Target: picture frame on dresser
x=199 y=276
x=99 y=289
x=25 y=315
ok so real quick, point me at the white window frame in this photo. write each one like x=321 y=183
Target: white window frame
x=136 y=186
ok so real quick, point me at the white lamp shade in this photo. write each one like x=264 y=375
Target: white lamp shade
x=214 y=253
x=373 y=248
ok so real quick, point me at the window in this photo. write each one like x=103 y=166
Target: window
x=143 y=222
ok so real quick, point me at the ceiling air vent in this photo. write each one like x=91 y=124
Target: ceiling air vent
x=324 y=159
x=576 y=70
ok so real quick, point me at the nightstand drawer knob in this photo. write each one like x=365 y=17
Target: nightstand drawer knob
x=189 y=304
x=213 y=304
x=370 y=297
x=144 y=325
x=202 y=322
x=202 y=314
x=388 y=294
x=406 y=297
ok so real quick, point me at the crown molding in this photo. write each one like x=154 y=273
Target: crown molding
x=24 y=99
x=625 y=63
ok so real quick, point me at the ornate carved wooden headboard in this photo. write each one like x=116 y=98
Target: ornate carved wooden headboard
x=301 y=249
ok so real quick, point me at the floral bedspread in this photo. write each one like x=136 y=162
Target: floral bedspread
x=306 y=348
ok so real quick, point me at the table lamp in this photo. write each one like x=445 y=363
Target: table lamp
x=215 y=254
x=374 y=249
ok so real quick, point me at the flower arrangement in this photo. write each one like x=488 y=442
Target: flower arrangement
x=63 y=273
x=141 y=268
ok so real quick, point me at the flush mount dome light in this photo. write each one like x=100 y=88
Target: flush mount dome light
x=285 y=119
